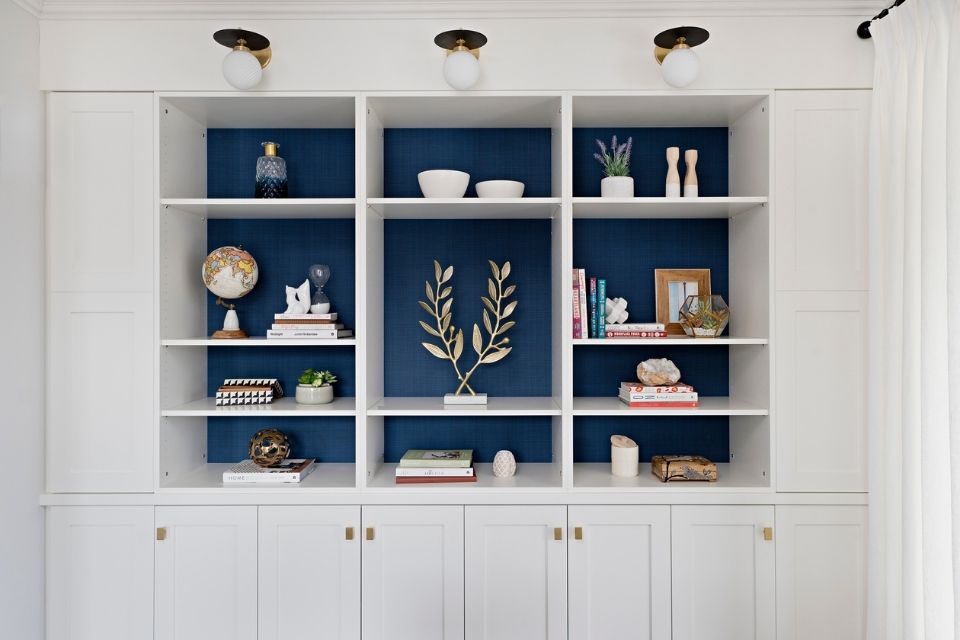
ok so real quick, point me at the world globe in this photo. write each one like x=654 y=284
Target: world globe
x=230 y=272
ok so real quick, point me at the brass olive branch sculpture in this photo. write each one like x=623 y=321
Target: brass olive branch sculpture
x=452 y=338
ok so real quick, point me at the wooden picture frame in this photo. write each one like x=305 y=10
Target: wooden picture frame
x=672 y=286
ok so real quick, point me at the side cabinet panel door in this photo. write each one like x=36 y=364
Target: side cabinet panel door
x=100 y=202
x=821 y=187
x=516 y=570
x=619 y=568
x=99 y=573
x=821 y=572
x=206 y=573
x=822 y=441
x=412 y=572
x=723 y=573
x=309 y=572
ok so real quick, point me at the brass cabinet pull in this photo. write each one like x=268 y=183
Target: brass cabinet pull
x=768 y=533
x=558 y=533
x=578 y=533
x=369 y=533
x=348 y=534
x=161 y=533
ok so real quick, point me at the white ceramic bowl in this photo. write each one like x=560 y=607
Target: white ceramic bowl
x=500 y=189
x=443 y=183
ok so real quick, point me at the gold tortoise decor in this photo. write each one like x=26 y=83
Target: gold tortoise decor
x=492 y=349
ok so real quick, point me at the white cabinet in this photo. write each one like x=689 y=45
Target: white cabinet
x=821 y=190
x=619 y=572
x=206 y=573
x=516 y=571
x=412 y=572
x=99 y=573
x=309 y=574
x=723 y=573
x=101 y=283
x=821 y=572
x=821 y=445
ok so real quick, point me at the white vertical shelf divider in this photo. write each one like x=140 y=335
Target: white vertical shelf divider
x=361 y=350
x=565 y=325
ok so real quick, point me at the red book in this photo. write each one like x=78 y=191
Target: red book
x=639 y=387
x=577 y=320
x=434 y=479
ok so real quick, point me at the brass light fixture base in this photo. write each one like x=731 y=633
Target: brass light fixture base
x=677 y=38
x=461 y=40
x=250 y=41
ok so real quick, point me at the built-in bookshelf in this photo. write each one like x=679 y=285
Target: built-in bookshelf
x=355 y=205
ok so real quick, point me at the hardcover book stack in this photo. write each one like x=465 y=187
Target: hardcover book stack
x=590 y=313
x=638 y=395
x=290 y=471
x=419 y=466
x=307 y=325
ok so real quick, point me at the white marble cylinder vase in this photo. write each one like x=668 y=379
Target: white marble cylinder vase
x=624 y=457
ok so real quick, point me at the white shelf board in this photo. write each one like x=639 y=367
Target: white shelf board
x=685 y=208
x=666 y=109
x=667 y=342
x=730 y=477
x=256 y=110
x=259 y=341
x=510 y=406
x=710 y=406
x=264 y=207
x=328 y=475
x=458 y=208
x=281 y=407
x=465 y=109
x=530 y=475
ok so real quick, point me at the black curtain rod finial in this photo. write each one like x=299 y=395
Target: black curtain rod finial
x=864 y=30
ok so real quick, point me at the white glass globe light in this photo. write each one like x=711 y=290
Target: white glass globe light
x=680 y=67
x=461 y=70
x=241 y=69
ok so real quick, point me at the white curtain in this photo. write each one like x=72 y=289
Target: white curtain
x=914 y=320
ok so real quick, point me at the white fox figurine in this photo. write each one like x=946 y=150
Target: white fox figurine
x=298 y=299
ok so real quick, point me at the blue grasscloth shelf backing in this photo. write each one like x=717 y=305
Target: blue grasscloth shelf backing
x=649 y=158
x=326 y=439
x=486 y=154
x=320 y=162
x=528 y=438
x=695 y=435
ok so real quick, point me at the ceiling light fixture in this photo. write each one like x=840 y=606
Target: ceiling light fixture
x=249 y=56
x=461 y=69
x=674 y=53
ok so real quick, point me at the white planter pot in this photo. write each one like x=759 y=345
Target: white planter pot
x=307 y=394
x=616 y=187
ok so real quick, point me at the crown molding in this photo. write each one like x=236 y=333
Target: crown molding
x=414 y=9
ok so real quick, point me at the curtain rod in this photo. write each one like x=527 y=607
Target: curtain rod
x=864 y=29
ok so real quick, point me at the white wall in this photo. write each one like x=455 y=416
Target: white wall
x=21 y=328
x=398 y=54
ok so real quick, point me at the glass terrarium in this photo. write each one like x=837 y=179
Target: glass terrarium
x=704 y=316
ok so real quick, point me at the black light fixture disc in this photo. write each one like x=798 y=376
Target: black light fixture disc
x=694 y=36
x=229 y=38
x=472 y=39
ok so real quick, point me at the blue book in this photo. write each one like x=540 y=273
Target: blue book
x=602 y=317
x=593 y=307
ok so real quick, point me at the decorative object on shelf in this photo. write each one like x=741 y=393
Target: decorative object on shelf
x=419 y=466
x=500 y=189
x=322 y=326
x=672 y=189
x=230 y=273
x=617 y=182
x=496 y=347
x=461 y=68
x=248 y=391
x=672 y=287
x=673 y=51
x=443 y=183
x=642 y=396
x=624 y=457
x=298 y=299
x=691 y=188
x=271 y=173
x=315 y=387
x=616 y=311
x=504 y=464
x=704 y=316
x=249 y=56
x=269 y=447
x=319 y=275
x=658 y=372
x=673 y=468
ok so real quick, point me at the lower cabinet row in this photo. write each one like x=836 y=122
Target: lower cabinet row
x=451 y=572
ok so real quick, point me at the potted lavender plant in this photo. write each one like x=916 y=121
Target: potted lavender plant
x=617 y=182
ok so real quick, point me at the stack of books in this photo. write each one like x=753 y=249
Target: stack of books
x=679 y=395
x=307 y=325
x=290 y=471
x=436 y=466
x=248 y=391
x=634 y=330
x=590 y=313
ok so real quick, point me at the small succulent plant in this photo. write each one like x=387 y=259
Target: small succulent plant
x=314 y=378
x=616 y=159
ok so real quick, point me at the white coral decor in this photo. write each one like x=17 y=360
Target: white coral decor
x=658 y=372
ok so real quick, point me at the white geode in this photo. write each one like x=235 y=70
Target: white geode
x=657 y=372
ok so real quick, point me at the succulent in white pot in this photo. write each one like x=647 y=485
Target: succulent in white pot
x=315 y=387
x=617 y=182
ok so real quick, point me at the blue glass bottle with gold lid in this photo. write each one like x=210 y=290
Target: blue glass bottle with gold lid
x=271 y=173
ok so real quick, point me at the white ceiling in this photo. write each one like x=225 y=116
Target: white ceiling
x=291 y=9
